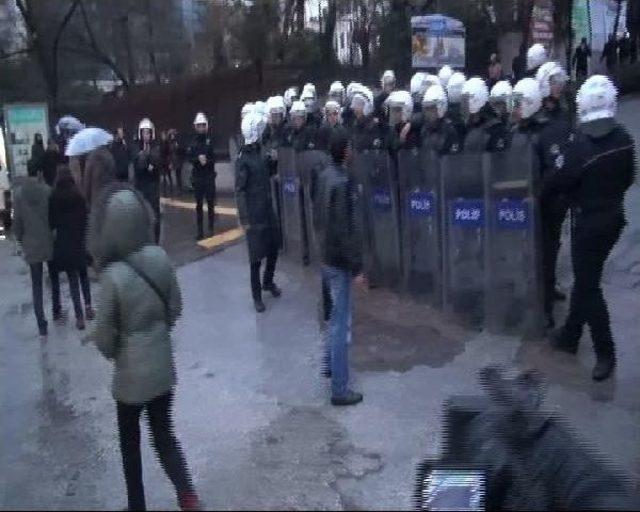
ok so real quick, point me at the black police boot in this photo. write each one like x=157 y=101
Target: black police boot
x=351 y=398
x=604 y=367
x=272 y=288
x=558 y=295
x=563 y=341
x=257 y=302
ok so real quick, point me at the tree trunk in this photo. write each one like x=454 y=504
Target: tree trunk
x=300 y=16
x=126 y=38
x=329 y=32
x=616 y=22
x=152 y=53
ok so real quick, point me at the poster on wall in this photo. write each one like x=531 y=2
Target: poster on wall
x=580 y=21
x=22 y=122
x=437 y=40
x=542 y=23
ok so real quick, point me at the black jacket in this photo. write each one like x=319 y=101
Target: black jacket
x=442 y=137
x=595 y=171
x=68 y=219
x=50 y=161
x=499 y=133
x=323 y=136
x=454 y=114
x=300 y=139
x=255 y=205
x=122 y=156
x=146 y=177
x=202 y=144
x=336 y=221
x=366 y=133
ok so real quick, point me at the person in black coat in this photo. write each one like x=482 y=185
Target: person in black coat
x=255 y=209
x=203 y=177
x=594 y=171
x=121 y=154
x=37 y=151
x=50 y=161
x=146 y=164
x=68 y=221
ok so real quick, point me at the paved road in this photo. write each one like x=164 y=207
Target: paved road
x=252 y=410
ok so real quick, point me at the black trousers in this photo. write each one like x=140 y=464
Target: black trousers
x=588 y=306
x=165 y=443
x=37 y=270
x=269 y=271
x=74 y=288
x=205 y=189
x=553 y=213
x=85 y=286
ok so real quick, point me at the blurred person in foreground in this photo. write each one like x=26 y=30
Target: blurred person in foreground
x=138 y=306
x=341 y=253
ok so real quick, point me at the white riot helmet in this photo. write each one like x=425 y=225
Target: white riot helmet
x=290 y=95
x=417 y=85
x=260 y=107
x=502 y=92
x=146 y=124
x=527 y=97
x=388 y=78
x=298 y=109
x=308 y=90
x=536 y=56
x=252 y=127
x=475 y=94
x=364 y=97
x=454 y=87
x=336 y=91
x=332 y=107
x=351 y=89
x=400 y=100
x=429 y=80
x=246 y=109
x=550 y=73
x=201 y=119
x=275 y=105
x=444 y=75
x=597 y=98
x=435 y=96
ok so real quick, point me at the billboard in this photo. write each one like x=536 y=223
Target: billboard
x=22 y=122
x=437 y=40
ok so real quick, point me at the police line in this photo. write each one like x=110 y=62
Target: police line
x=459 y=232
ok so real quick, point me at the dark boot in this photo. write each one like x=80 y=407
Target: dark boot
x=259 y=305
x=564 y=341
x=604 y=367
x=43 y=328
x=272 y=288
x=351 y=398
x=558 y=295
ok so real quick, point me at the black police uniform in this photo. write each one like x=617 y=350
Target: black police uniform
x=553 y=206
x=595 y=171
x=203 y=178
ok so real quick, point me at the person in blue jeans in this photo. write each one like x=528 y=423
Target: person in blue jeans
x=341 y=250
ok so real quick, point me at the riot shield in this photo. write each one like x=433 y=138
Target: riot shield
x=381 y=224
x=290 y=204
x=463 y=224
x=418 y=172
x=310 y=164
x=513 y=264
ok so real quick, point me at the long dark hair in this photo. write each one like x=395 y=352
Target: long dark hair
x=65 y=189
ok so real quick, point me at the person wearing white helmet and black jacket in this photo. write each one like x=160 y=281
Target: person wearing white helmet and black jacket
x=388 y=84
x=595 y=170
x=499 y=126
x=298 y=133
x=553 y=207
x=438 y=133
x=203 y=176
x=536 y=57
x=146 y=166
x=256 y=210
x=366 y=132
x=454 y=96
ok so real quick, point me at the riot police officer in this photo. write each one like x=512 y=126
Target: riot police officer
x=203 y=177
x=367 y=132
x=400 y=111
x=594 y=170
x=336 y=92
x=274 y=132
x=438 y=134
x=147 y=169
x=475 y=95
x=454 y=96
x=290 y=95
x=298 y=134
x=553 y=207
x=444 y=75
x=388 y=84
x=498 y=128
x=332 y=111
x=310 y=100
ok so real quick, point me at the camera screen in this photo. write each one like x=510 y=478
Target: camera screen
x=453 y=489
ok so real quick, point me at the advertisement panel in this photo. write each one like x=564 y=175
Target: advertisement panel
x=22 y=122
x=437 y=40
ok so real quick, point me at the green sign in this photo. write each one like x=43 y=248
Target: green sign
x=20 y=115
x=580 y=20
x=22 y=122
